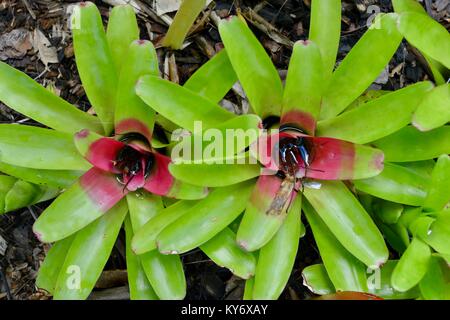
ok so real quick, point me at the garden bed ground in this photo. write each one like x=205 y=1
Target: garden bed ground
x=35 y=38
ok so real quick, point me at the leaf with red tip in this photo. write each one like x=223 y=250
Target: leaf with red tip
x=162 y=183
x=101 y=152
x=265 y=212
x=95 y=193
x=331 y=159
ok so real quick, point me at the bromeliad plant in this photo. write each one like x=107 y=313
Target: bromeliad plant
x=315 y=100
x=120 y=172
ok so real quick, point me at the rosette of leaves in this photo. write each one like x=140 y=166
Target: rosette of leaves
x=322 y=106
x=414 y=218
x=106 y=164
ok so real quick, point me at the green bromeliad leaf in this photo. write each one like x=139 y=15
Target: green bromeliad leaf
x=132 y=114
x=325 y=30
x=51 y=267
x=165 y=273
x=396 y=183
x=425 y=33
x=85 y=201
x=52 y=178
x=180 y=105
x=24 y=194
x=435 y=285
x=347 y=220
x=224 y=251
x=438 y=196
x=95 y=62
x=256 y=72
x=140 y=287
x=88 y=254
x=345 y=271
x=362 y=65
x=362 y=124
x=210 y=216
x=412 y=266
x=303 y=89
x=276 y=259
x=122 y=30
x=39 y=148
x=26 y=96
x=434 y=110
x=144 y=239
x=213 y=79
x=409 y=144
x=184 y=18
x=214 y=175
x=316 y=279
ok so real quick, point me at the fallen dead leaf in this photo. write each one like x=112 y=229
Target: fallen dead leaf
x=46 y=52
x=15 y=44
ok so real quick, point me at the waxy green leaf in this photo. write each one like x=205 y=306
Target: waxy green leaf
x=438 y=195
x=348 y=220
x=362 y=124
x=256 y=72
x=52 y=178
x=88 y=255
x=165 y=273
x=94 y=61
x=214 y=175
x=435 y=285
x=140 y=287
x=145 y=238
x=83 y=202
x=434 y=110
x=6 y=183
x=397 y=184
x=325 y=30
x=362 y=65
x=345 y=271
x=412 y=266
x=210 y=216
x=425 y=33
x=122 y=30
x=51 y=267
x=264 y=212
x=224 y=251
x=438 y=235
x=39 y=148
x=214 y=78
x=184 y=18
x=409 y=144
x=276 y=259
x=132 y=114
x=248 y=289
x=380 y=283
x=179 y=104
x=388 y=212
x=26 y=96
x=315 y=278
x=303 y=89
x=24 y=194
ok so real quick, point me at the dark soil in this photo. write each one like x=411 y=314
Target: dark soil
x=19 y=19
